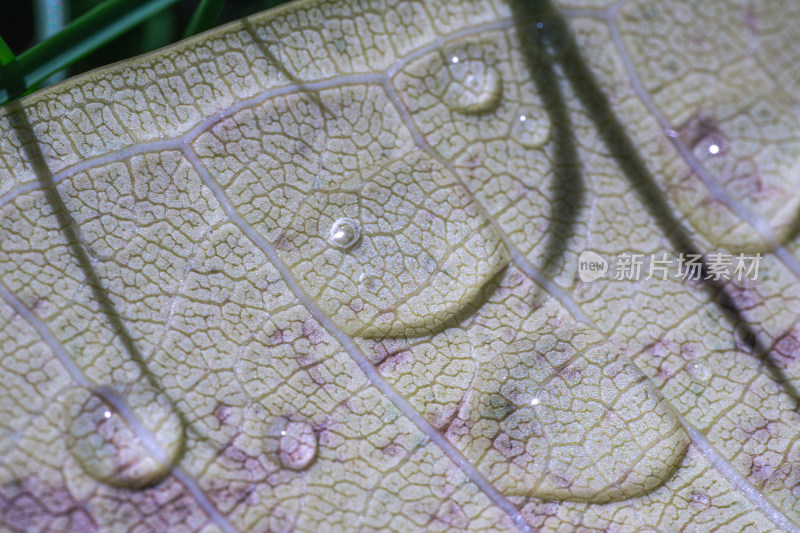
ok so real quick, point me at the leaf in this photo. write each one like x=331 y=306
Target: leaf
x=319 y=270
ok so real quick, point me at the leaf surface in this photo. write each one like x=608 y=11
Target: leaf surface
x=318 y=270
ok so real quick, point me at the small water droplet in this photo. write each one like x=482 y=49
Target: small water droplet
x=475 y=86
x=297 y=446
x=344 y=233
x=366 y=281
x=551 y=33
x=535 y=401
x=128 y=437
x=454 y=59
x=713 y=149
x=700 y=498
x=671 y=133
x=699 y=371
x=530 y=130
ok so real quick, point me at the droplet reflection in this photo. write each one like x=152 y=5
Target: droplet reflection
x=127 y=437
x=344 y=233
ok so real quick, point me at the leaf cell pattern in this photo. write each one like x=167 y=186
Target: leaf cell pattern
x=176 y=320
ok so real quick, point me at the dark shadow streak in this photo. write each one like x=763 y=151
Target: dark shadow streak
x=24 y=131
x=567 y=187
x=794 y=229
x=538 y=23
x=280 y=67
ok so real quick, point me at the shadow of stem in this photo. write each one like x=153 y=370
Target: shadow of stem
x=24 y=130
x=567 y=188
x=544 y=33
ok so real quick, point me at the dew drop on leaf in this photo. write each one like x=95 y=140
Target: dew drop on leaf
x=530 y=130
x=297 y=446
x=523 y=421
x=127 y=437
x=345 y=233
x=699 y=371
x=366 y=281
x=700 y=499
x=475 y=86
x=415 y=230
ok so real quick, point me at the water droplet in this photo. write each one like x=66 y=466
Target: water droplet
x=475 y=86
x=424 y=252
x=366 y=281
x=127 y=437
x=455 y=59
x=520 y=422
x=551 y=33
x=345 y=233
x=700 y=498
x=699 y=371
x=297 y=446
x=713 y=149
x=530 y=130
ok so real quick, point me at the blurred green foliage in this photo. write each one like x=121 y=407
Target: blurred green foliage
x=20 y=22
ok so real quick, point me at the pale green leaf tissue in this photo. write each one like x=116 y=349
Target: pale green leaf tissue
x=318 y=270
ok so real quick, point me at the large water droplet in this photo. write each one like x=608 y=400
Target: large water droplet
x=520 y=424
x=425 y=250
x=128 y=437
x=475 y=86
x=344 y=233
x=297 y=446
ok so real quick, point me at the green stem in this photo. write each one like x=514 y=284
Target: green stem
x=50 y=17
x=6 y=55
x=82 y=36
x=204 y=17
